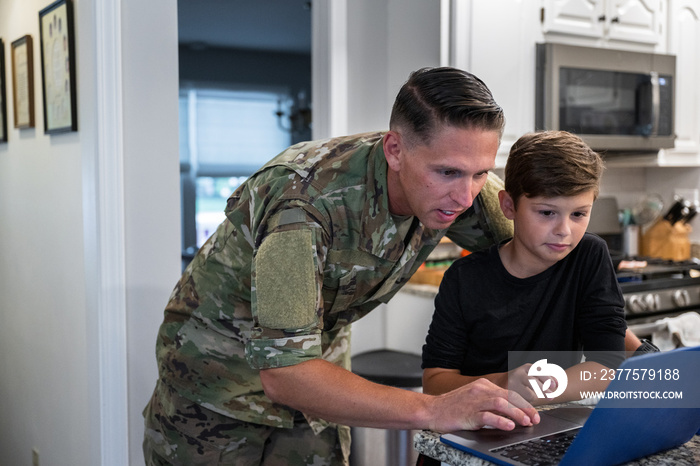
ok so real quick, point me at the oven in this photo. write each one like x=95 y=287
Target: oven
x=655 y=289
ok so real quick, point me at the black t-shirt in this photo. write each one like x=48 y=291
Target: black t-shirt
x=482 y=312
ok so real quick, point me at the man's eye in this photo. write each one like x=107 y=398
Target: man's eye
x=449 y=172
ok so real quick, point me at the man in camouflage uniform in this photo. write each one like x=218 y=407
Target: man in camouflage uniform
x=253 y=352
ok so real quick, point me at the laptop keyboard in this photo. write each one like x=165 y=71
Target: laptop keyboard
x=542 y=451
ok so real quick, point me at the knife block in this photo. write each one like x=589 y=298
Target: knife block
x=667 y=241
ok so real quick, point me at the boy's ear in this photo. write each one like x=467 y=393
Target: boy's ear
x=507 y=204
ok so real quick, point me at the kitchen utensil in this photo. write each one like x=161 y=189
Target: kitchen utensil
x=678 y=210
x=648 y=209
x=691 y=214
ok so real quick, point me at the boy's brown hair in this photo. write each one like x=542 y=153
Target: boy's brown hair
x=552 y=164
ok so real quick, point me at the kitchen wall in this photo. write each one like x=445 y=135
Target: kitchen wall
x=630 y=184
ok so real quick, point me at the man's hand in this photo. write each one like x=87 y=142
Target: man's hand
x=478 y=404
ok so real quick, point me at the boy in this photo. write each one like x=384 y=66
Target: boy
x=551 y=288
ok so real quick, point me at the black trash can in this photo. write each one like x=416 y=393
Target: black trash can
x=377 y=447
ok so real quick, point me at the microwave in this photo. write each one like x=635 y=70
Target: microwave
x=614 y=100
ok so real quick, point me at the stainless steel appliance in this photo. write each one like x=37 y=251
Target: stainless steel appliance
x=615 y=100
x=662 y=288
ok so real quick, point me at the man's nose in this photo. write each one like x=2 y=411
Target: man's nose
x=462 y=194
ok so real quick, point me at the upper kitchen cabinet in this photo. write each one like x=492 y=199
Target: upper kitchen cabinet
x=606 y=23
x=684 y=42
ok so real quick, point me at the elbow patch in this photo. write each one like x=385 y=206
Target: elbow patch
x=285 y=281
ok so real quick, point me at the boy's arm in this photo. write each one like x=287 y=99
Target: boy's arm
x=438 y=380
x=584 y=377
x=581 y=378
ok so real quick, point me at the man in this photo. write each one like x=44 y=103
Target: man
x=253 y=352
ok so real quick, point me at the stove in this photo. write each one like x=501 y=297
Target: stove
x=658 y=288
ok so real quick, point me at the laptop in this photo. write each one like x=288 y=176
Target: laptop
x=622 y=426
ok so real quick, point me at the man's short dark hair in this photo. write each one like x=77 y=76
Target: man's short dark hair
x=433 y=97
x=552 y=164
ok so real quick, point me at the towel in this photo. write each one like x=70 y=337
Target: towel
x=674 y=332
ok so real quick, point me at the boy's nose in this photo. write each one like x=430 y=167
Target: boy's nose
x=563 y=228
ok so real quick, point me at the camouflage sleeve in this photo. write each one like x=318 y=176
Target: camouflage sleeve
x=484 y=223
x=286 y=299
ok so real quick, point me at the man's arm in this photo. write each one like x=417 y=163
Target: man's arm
x=324 y=390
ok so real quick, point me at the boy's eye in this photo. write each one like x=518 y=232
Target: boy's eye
x=547 y=213
x=580 y=214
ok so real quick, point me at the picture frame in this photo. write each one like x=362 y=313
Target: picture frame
x=58 y=67
x=23 y=82
x=3 y=95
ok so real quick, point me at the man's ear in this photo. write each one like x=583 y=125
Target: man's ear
x=392 y=149
x=507 y=204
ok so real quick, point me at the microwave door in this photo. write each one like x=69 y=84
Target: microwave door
x=648 y=105
x=655 y=103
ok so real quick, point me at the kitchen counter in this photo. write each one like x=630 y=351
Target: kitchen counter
x=420 y=289
x=428 y=443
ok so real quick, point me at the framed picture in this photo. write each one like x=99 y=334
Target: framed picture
x=3 y=104
x=23 y=82
x=58 y=67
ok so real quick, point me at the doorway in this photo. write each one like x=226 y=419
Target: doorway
x=245 y=95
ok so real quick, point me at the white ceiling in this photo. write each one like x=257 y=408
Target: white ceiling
x=281 y=25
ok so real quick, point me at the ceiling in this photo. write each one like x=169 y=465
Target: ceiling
x=280 y=25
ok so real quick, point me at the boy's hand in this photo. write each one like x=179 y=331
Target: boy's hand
x=520 y=382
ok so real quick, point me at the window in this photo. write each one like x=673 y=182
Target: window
x=225 y=136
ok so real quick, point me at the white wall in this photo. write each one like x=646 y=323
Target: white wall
x=52 y=263
x=386 y=40
x=152 y=190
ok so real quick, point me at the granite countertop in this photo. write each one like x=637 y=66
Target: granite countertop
x=420 y=289
x=428 y=443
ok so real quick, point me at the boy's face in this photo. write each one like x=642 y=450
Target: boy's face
x=547 y=229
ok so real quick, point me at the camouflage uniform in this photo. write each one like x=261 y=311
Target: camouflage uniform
x=308 y=247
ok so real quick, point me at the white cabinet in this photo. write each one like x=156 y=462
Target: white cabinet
x=496 y=41
x=606 y=22
x=636 y=20
x=574 y=17
x=684 y=42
